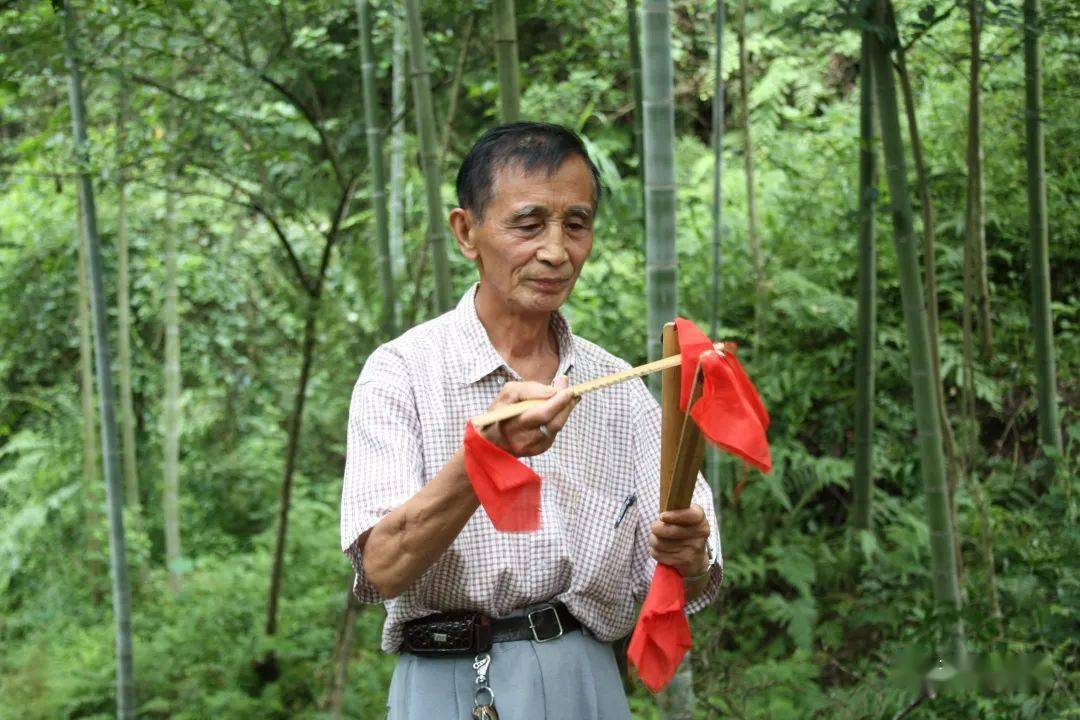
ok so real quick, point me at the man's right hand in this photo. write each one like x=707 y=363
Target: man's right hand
x=521 y=436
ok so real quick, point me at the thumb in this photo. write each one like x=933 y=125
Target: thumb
x=562 y=382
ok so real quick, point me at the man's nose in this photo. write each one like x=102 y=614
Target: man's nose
x=553 y=248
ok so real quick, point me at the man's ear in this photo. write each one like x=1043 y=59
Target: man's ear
x=462 y=225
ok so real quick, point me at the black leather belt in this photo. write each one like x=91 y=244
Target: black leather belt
x=465 y=633
x=541 y=625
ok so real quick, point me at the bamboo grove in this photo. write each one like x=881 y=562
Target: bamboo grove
x=212 y=214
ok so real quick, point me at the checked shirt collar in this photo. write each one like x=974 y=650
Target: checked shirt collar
x=479 y=356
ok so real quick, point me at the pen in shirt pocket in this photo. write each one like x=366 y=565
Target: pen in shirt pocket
x=630 y=500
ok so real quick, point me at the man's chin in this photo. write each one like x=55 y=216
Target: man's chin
x=549 y=300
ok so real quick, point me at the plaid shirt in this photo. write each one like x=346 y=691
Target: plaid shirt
x=600 y=481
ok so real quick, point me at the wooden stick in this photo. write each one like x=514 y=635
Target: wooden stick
x=671 y=418
x=688 y=457
x=509 y=411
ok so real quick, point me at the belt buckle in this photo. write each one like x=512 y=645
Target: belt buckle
x=558 y=623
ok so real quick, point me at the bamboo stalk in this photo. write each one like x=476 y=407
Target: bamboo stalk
x=123 y=301
x=863 y=485
x=751 y=195
x=511 y=411
x=635 y=80
x=90 y=449
x=658 y=123
x=922 y=183
x=170 y=463
x=397 y=152
x=976 y=207
x=170 y=496
x=429 y=154
x=378 y=180
x=712 y=462
x=1042 y=320
x=506 y=52
x=928 y=422
x=114 y=482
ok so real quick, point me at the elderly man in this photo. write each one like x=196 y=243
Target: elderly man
x=551 y=600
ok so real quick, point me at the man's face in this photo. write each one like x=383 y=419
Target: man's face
x=536 y=233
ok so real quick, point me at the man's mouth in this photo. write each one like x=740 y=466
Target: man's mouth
x=550 y=282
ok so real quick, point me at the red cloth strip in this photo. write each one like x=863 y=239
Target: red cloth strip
x=728 y=411
x=692 y=342
x=662 y=635
x=506 y=487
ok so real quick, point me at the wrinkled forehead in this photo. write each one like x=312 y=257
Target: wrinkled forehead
x=514 y=185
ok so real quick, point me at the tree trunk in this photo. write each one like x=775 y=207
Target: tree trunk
x=751 y=199
x=976 y=200
x=114 y=483
x=506 y=51
x=397 y=153
x=677 y=701
x=1042 y=321
x=373 y=125
x=661 y=271
x=429 y=155
x=455 y=87
x=866 y=330
x=267 y=667
x=931 y=457
x=291 y=449
x=171 y=491
x=342 y=653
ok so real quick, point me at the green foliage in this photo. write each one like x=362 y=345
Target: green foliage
x=812 y=621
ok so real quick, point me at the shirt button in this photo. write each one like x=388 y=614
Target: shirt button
x=500 y=379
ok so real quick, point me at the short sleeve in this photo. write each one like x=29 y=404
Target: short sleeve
x=383 y=459
x=646 y=444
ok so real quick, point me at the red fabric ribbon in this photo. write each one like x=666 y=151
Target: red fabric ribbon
x=662 y=635
x=506 y=487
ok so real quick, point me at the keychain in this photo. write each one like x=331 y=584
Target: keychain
x=484 y=697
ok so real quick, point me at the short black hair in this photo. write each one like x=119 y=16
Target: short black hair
x=531 y=145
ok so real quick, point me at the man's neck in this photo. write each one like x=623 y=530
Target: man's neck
x=524 y=340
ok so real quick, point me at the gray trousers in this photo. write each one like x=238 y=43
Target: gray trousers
x=573 y=677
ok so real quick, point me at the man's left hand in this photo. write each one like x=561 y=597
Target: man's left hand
x=678 y=539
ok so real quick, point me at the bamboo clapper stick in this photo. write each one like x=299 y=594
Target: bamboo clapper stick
x=509 y=411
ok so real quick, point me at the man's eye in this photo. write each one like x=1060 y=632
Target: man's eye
x=531 y=227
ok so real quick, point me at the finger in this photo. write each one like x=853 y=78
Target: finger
x=679 y=532
x=672 y=558
x=561 y=417
x=674 y=545
x=692 y=515
x=525 y=390
x=546 y=413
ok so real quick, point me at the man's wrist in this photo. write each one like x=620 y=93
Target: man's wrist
x=710 y=559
